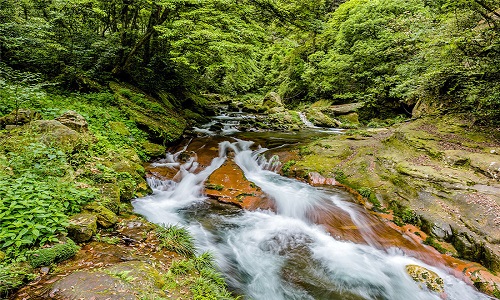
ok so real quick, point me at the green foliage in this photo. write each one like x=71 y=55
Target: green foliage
x=13 y=276
x=285 y=169
x=200 y=276
x=177 y=239
x=34 y=212
x=56 y=253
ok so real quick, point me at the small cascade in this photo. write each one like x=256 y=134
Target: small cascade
x=289 y=253
x=306 y=122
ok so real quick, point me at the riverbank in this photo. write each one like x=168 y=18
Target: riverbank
x=438 y=173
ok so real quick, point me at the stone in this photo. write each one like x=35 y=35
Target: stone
x=54 y=133
x=74 y=121
x=82 y=227
x=19 y=117
x=2 y=255
x=343 y=109
x=119 y=127
x=153 y=150
x=427 y=277
x=352 y=118
x=272 y=100
x=105 y=217
x=110 y=193
x=92 y=285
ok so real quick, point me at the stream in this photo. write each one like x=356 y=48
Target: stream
x=314 y=243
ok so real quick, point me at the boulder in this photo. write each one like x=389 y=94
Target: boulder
x=110 y=193
x=105 y=217
x=57 y=253
x=119 y=128
x=55 y=133
x=74 y=121
x=272 y=100
x=82 y=227
x=427 y=277
x=152 y=149
x=343 y=109
x=19 y=117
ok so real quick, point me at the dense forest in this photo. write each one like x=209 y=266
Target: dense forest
x=390 y=54
x=139 y=73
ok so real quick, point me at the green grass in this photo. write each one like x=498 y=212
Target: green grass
x=177 y=239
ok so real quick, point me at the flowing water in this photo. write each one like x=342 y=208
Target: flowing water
x=294 y=251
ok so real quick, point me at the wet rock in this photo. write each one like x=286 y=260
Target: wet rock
x=318 y=118
x=152 y=149
x=427 y=277
x=143 y=277
x=19 y=117
x=314 y=178
x=91 y=285
x=105 y=217
x=82 y=227
x=74 y=121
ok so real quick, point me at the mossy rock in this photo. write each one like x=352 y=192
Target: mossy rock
x=56 y=253
x=73 y=120
x=130 y=167
x=105 y=217
x=12 y=277
x=142 y=276
x=351 y=118
x=82 y=227
x=54 y=133
x=159 y=120
x=2 y=256
x=152 y=149
x=119 y=128
x=19 y=117
x=320 y=119
x=110 y=194
x=422 y=275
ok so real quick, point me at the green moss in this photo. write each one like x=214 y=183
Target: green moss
x=216 y=187
x=287 y=166
x=13 y=276
x=57 y=253
x=431 y=241
x=119 y=128
x=152 y=149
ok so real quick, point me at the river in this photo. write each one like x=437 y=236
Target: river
x=309 y=243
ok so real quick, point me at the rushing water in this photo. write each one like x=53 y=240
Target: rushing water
x=285 y=254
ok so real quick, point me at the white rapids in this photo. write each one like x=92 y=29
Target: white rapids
x=281 y=255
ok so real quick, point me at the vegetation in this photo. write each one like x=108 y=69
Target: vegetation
x=177 y=239
x=200 y=275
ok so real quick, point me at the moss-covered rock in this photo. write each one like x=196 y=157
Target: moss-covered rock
x=430 y=279
x=2 y=255
x=13 y=276
x=110 y=196
x=53 y=133
x=82 y=227
x=318 y=118
x=73 y=120
x=105 y=217
x=152 y=149
x=119 y=128
x=56 y=253
x=19 y=117
x=152 y=115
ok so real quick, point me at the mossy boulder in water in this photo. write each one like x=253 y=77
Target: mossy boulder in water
x=422 y=275
x=105 y=217
x=82 y=227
